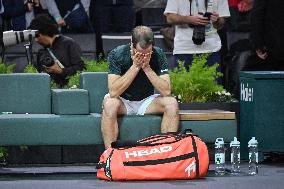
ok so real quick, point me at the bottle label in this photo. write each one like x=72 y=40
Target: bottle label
x=256 y=157
x=232 y=157
x=219 y=158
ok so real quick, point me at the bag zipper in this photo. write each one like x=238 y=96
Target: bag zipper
x=159 y=161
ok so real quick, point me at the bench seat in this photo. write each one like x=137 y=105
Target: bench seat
x=51 y=129
x=210 y=124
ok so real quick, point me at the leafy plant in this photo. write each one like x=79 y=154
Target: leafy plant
x=197 y=84
x=100 y=65
x=6 y=69
x=73 y=81
x=30 y=69
x=221 y=96
x=3 y=154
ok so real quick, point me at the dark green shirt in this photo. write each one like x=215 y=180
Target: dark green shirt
x=120 y=61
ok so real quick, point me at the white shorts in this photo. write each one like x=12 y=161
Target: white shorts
x=137 y=107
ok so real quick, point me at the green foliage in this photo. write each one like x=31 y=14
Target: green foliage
x=3 y=154
x=73 y=81
x=100 y=65
x=197 y=84
x=54 y=85
x=6 y=69
x=30 y=69
x=96 y=66
x=221 y=96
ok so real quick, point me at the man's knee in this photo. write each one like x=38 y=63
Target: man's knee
x=171 y=105
x=111 y=106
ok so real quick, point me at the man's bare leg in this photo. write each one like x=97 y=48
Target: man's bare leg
x=109 y=126
x=168 y=106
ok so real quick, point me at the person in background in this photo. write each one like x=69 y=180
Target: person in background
x=14 y=14
x=61 y=56
x=267 y=29
x=1 y=12
x=137 y=69
x=186 y=16
x=110 y=16
x=71 y=15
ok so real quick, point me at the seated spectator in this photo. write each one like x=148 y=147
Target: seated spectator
x=70 y=15
x=61 y=56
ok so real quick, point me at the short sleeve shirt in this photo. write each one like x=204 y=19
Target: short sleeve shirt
x=120 y=61
x=183 y=37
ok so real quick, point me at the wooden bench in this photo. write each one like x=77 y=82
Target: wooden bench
x=186 y=115
x=210 y=124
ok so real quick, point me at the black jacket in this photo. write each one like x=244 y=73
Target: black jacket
x=68 y=52
x=267 y=30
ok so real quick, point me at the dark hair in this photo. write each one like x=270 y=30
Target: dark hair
x=142 y=35
x=45 y=25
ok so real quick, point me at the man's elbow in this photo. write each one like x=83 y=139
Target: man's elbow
x=169 y=18
x=169 y=21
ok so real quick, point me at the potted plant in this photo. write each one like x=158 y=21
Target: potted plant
x=6 y=69
x=198 y=88
x=100 y=65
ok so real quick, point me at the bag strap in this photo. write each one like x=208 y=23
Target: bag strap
x=128 y=144
x=106 y=166
x=177 y=135
x=197 y=5
x=195 y=155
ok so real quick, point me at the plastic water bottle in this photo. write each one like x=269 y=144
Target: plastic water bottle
x=253 y=156
x=219 y=156
x=235 y=156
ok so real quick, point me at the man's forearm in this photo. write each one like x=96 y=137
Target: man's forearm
x=121 y=84
x=177 y=19
x=160 y=84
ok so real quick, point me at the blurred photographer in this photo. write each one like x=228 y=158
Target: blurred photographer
x=61 y=56
x=196 y=24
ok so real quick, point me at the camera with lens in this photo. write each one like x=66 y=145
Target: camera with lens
x=15 y=37
x=44 y=58
x=198 y=36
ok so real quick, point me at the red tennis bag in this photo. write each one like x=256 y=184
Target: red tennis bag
x=158 y=157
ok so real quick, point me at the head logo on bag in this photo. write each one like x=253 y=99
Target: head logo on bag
x=139 y=153
x=191 y=167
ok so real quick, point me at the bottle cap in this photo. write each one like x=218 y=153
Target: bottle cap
x=252 y=142
x=235 y=142
x=219 y=142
